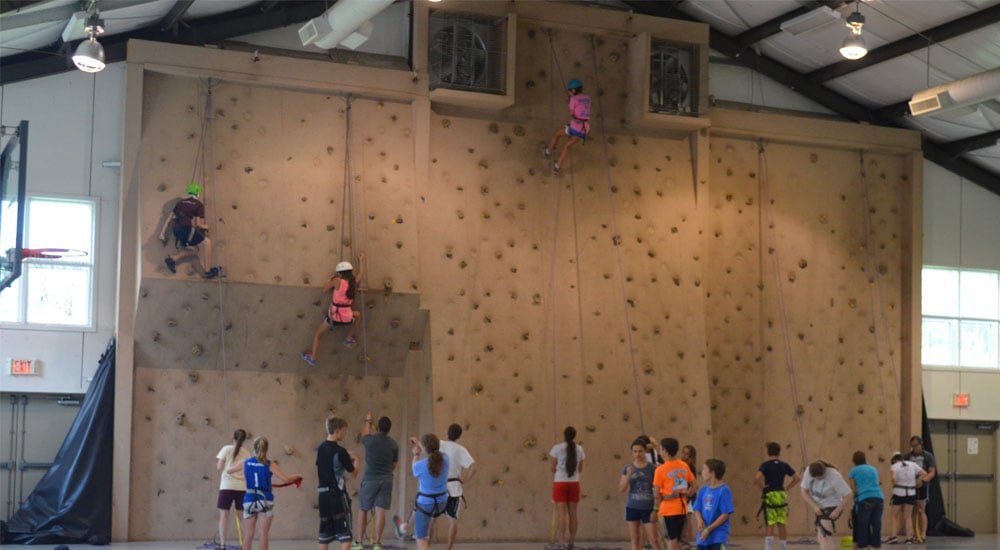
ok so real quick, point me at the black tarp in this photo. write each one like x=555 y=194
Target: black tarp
x=72 y=502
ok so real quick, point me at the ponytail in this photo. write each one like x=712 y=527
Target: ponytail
x=570 y=434
x=239 y=436
x=260 y=449
x=352 y=283
x=435 y=460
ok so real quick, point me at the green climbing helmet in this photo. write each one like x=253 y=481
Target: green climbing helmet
x=193 y=189
x=574 y=84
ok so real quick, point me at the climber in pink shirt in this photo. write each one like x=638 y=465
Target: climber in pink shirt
x=578 y=127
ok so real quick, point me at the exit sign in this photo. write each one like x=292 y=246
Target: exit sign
x=960 y=400
x=22 y=366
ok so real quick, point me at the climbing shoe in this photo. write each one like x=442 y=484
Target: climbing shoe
x=545 y=152
x=350 y=342
x=555 y=168
x=377 y=546
x=212 y=273
x=308 y=358
x=357 y=546
x=171 y=264
x=400 y=527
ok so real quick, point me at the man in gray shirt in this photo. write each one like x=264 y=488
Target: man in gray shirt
x=381 y=457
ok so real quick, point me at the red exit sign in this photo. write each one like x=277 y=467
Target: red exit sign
x=22 y=366
x=960 y=400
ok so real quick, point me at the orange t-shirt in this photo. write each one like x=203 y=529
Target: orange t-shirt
x=673 y=478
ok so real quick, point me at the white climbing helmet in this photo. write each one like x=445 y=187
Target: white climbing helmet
x=344 y=266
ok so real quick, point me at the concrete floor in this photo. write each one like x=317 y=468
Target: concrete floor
x=981 y=542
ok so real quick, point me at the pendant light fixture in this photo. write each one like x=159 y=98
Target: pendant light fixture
x=854 y=45
x=89 y=56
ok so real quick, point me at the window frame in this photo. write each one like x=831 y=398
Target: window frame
x=22 y=282
x=959 y=319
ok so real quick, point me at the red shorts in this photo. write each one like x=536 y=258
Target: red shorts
x=566 y=491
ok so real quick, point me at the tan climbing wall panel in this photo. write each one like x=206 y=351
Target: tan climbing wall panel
x=274 y=191
x=183 y=417
x=838 y=305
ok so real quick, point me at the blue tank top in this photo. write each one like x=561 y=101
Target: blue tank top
x=258 y=477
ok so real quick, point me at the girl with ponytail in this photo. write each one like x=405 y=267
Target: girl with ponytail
x=566 y=462
x=430 y=467
x=232 y=487
x=258 y=501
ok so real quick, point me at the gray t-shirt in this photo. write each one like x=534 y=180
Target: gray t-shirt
x=381 y=452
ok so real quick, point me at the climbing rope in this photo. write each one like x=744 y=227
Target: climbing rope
x=876 y=296
x=768 y=210
x=616 y=235
x=204 y=160
x=554 y=216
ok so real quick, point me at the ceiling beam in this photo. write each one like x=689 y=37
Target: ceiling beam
x=962 y=25
x=175 y=14
x=206 y=30
x=770 y=28
x=972 y=143
x=830 y=99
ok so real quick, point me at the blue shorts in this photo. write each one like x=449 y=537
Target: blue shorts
x=638 y=514
x=422 y=519
x=575 y=133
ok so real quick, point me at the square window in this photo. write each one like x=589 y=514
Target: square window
x=979 y=344
x=940 y=292
x=56 y=287
x=939 y=344
x=978 y=290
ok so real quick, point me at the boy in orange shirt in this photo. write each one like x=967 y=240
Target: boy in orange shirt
x=673 y=482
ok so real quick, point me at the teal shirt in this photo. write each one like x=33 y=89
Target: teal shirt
x=865 y=478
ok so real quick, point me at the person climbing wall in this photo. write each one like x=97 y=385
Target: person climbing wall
x=343 y=286
x=190 y=233
x=578 y=127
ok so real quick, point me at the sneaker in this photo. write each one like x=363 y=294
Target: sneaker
x=308 y=358
x=377 y=546
x=891 y=540
x=171 y=264
x=212 y=273
x=545 y=152
x=555 y=168
x=350 y=342
x=911 y=541
x=357 y=546
x=400 y=527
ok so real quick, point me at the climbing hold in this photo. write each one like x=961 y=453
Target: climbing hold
x=289 y=450
x=180 y=419
x=196 y=350
x=193 y=377
x=477 y=388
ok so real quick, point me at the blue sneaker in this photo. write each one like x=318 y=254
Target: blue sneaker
x=171 y=264
x=308 y=358
x=350 y=342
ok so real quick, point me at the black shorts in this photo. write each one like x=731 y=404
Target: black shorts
x=898 y=500
x=228 y=497
x=674 y=526
x=334 y=518
x=188 y=235
x=453 y=507
x=331 y=323
x=922 y=492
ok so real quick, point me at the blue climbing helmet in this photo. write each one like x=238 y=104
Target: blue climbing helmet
x=574 y=84
x=193 y=189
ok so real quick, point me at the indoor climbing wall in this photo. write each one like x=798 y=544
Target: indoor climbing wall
x=802 y=308
x=618 y=297
x=553 y=282
x=213 y=357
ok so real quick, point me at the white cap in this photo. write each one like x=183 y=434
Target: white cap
x=344 y=266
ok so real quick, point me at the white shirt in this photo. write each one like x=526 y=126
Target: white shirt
x=558 y=452
x=458 y=458
x=828 y=491
x=905 y=476
x=232 y=482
